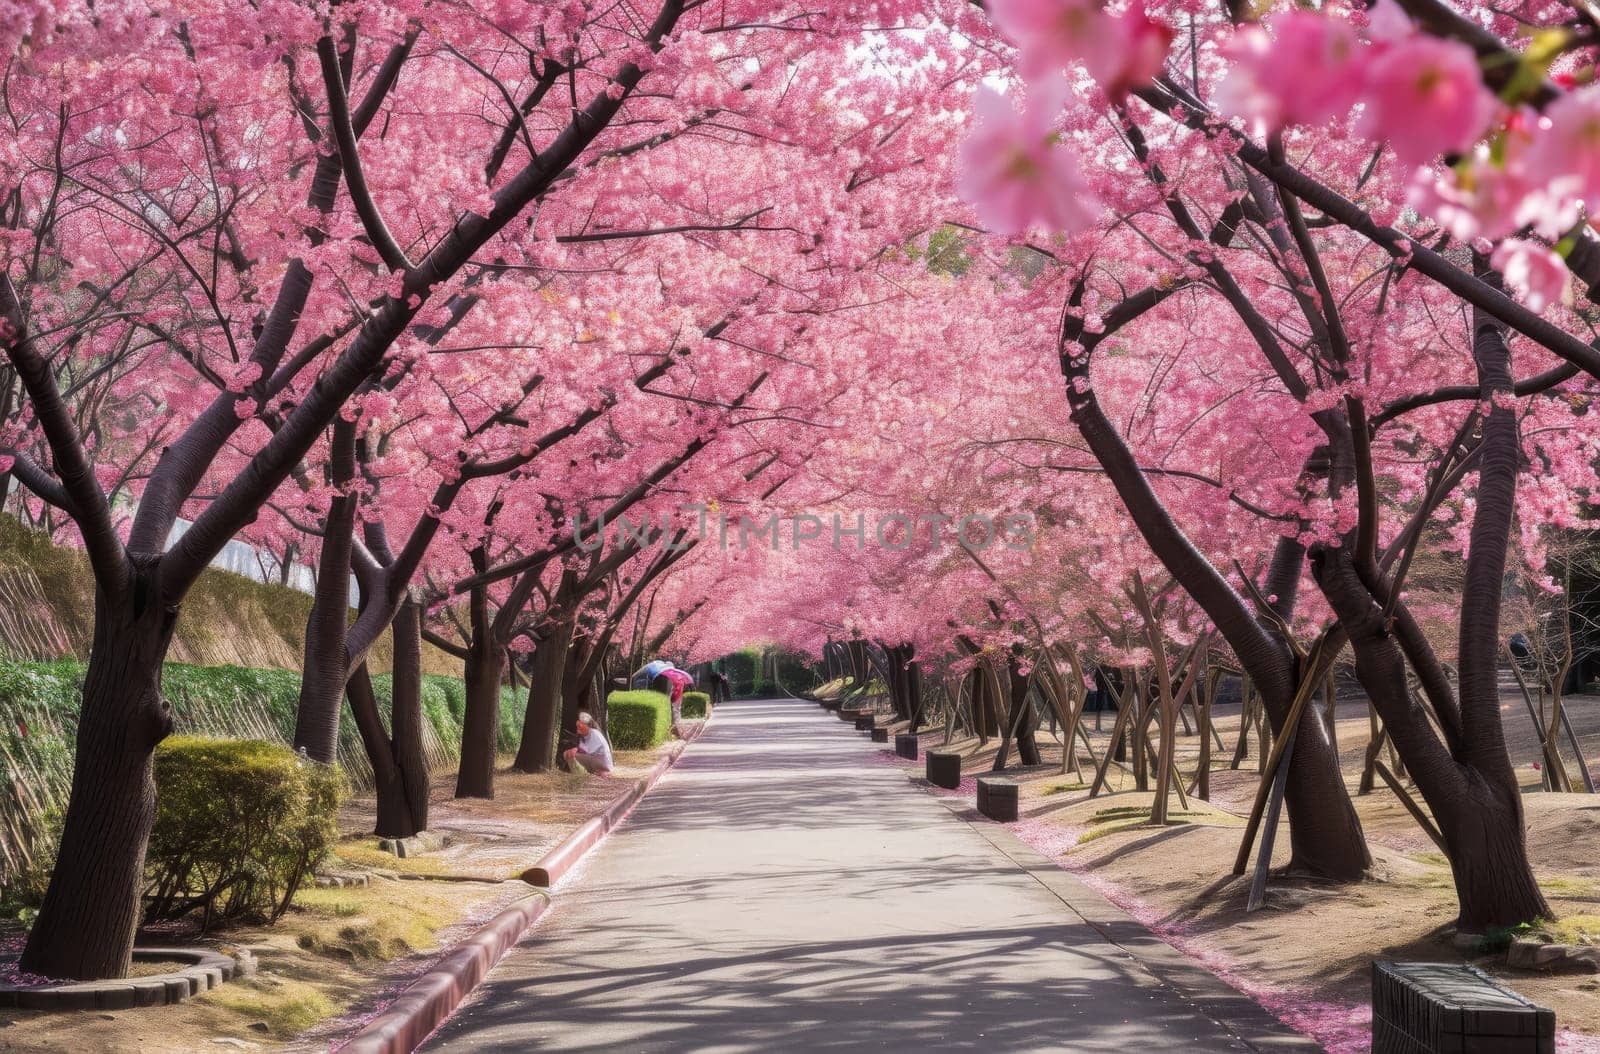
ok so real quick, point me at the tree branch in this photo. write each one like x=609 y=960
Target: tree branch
x=86 y=502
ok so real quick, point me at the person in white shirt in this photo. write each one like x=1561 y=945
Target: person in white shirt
x=593 y=753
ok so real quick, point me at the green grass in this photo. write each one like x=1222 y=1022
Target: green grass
x=1128 y=818
x=1573 y=929
x=285 y=1007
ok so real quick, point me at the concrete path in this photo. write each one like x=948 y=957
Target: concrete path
x=784 y=889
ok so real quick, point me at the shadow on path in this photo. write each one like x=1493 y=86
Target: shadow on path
x=781 y=889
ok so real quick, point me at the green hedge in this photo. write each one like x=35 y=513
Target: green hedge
x=39 y=704
x=240 y=824
x=55 y=688
x=696 y=704
x=638 y=720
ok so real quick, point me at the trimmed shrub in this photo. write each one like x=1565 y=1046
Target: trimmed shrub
x=696 y=704
x=240 y=823
x=638 y=720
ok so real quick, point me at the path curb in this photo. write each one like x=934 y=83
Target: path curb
x=425 y=1003
x=558 y=861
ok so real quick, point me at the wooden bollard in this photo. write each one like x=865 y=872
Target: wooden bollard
x=866 y=722
x=944 y=768
x=905 y=745
x=1430 y=1008
x=997 y=798
x=880 y=735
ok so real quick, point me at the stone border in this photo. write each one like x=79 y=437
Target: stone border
x=1528 y=953
x=206 y=970
x=427 y=1002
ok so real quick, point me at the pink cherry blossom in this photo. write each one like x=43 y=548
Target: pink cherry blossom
x=1386 y=23
x=1136 y=57
x=1053 y=33
x=1566 y=154
x=1426 y=97
x=1306 y=70
x=1015 y=176
x=1474 y=199
x=1120 y=51
x=1533 y=271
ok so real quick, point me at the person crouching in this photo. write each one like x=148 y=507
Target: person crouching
x=592 y=754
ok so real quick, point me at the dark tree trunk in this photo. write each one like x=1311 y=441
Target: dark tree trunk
x=407 y=810
x=537 y=751
x=327 y=655
x=1466 y=779
x=577 y=683
x=1027 y=724
x=1021 y=726
x=86 y=924
x=1483 y=831
x=914 y=689
x=1477 y=804
x=480 y=725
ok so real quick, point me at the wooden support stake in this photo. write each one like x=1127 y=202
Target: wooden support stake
x=1280 y=780
x=1246 y=709
x=1105 y=761
x=1275 y=763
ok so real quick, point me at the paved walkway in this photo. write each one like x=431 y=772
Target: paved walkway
x=783 y=889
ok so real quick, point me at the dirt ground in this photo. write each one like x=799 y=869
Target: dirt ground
x=1306 y=954
x=340 y=954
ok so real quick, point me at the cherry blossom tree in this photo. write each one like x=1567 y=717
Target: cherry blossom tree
x=291 y=203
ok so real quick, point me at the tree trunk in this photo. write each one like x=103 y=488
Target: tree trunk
x=1473 y=793
x=410 y=809
x=1483 y=831
x=914 y=691
x=577 y=690
x=86 y=924
x=537 y=751
x=327 y=657
x=1023 y=719
x=480 y=725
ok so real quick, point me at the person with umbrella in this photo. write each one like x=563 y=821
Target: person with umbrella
x=680 y=680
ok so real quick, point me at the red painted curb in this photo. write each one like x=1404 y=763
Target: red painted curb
x=558 y=861
x=428 y=1001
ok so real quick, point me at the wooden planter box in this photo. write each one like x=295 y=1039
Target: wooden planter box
x=866 y=722
x=944 y=768
x=1444 y=1008
x=905 y=745
x=997 y=798
x=880 y=735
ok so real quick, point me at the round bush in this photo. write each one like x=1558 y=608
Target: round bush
x=638 y=720
x=696 y=704
x=239 y=825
